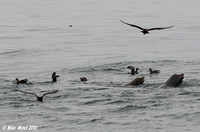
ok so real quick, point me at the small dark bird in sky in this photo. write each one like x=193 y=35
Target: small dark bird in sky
x=145 y=30
x=39 y=98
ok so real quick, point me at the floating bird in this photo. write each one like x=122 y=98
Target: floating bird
x=153 y=71
x=83 y=79
x=39 y=98
x=133 y=70
x=54 y=77
x=21 y=81
x=136 y=70
x=145 y=30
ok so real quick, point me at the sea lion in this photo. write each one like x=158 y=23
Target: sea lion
x=24 y=81
x=83 y=79
x=174 y=81
x=153 y=71
x=39 y=98
x=144 y=30
x=136 y=81
x=54 y=77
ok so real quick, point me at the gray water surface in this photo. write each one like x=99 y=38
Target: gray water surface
x=36 y=40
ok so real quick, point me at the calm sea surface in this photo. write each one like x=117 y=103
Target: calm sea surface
x=36 y=40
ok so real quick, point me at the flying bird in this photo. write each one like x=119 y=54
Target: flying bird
x=39 y=98
x=145 y=30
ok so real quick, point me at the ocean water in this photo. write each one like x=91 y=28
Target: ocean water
x=36 y=40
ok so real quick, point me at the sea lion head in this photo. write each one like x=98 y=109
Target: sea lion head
x=180 y=78
x=175 y=80
x=136 y=81
x=141 y=80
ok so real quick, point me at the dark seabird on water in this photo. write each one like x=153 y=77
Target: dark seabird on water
x=54 y=77
x=83 y=79
x=133 y=70
x=145 y=30
x=39 y=98
x=153 y=71
x=24 y=81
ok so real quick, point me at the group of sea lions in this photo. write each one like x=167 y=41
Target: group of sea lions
x=174 y=81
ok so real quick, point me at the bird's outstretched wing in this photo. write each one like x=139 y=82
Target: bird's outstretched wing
x=27 y=92
x=159 y=28
x=131 y=25
x=55 y=91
